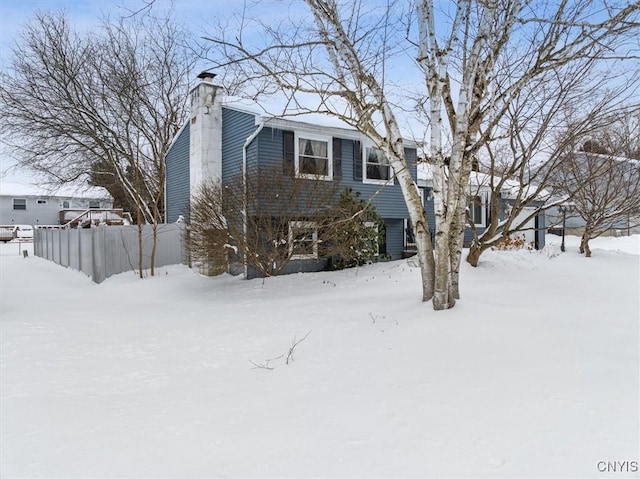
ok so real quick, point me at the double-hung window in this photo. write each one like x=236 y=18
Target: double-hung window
x=313 y=156
x=19 y=204
x=376 y=166
x=303 y=240
x=476 y=204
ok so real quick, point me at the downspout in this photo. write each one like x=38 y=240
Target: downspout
x=247 y=142
x=164 y=191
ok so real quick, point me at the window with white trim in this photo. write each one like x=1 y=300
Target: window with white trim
x=477 y=206
x=376 y=166
x=303 y=240
x=94 y=203
x=19 y=204
x=313 y=156
x=42 y=202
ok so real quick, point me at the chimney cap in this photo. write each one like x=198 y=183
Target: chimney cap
x=207 y=75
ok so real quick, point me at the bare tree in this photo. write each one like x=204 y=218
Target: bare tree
x=620 y=136
x=475 y=60
x=106 y=104
x=476 y=66
x=603 y=188
x=516 y=183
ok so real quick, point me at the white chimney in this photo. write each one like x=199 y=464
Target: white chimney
x=205 y=144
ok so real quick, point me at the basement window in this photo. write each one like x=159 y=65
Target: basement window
x=303 y=240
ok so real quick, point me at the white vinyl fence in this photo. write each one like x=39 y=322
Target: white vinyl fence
x=102 y=251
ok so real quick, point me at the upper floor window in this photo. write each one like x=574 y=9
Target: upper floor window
x=19 y=204
x=376 y=166
x=313 y=156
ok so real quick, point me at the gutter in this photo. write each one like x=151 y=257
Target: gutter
x=247 y=142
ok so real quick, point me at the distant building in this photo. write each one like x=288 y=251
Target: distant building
x=30 y=205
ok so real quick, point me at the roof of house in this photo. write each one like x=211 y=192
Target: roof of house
x=67 y=191
x=279 y=114
x=509 y=190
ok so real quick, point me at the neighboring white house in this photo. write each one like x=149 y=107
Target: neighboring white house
x=31 y=205
x=478 y=201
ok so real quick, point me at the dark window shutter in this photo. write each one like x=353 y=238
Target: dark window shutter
x=357 y=160
x=288 y=148
x=337 y=158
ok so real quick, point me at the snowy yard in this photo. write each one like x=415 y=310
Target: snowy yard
x=535 y=373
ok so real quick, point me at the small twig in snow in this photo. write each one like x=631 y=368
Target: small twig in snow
x=266 y=364
x=294 y=344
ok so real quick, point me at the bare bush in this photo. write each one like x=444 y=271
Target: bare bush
x=269 y=218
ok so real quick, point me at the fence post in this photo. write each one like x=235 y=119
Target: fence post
x=98 y=254
x=68 y=235
x=79 y=250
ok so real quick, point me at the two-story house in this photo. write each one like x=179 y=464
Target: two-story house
x=225 y=138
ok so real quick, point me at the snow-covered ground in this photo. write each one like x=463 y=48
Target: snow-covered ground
x=534 y=373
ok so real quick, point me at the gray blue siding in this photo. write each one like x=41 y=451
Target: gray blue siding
x=177 y=177
x=269 y=154
x=388 y=200
x=237 y=126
